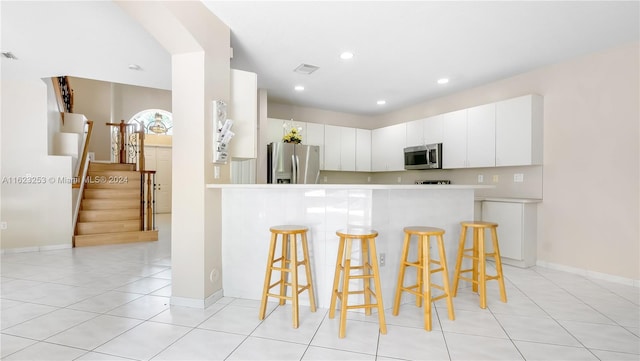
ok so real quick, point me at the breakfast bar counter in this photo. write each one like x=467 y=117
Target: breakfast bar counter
x=248 y=210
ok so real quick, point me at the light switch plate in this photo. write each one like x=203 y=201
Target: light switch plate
x=518 y=177
x=480 y=178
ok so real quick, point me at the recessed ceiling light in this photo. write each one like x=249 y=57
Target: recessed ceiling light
x=299 y=88
x=443 y=80
x=134 y=67
x=346 y=55
x=381 y=102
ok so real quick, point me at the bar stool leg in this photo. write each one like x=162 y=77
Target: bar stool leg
x=345 y=290
x=366 y=271
x=267 y=277
x=503 y=291
x=283 y=267
x=403 y=267
x=476 y=235
x=456 y=279
x=293 y=267
x=305 y=250
x=376 y=278
x=419 y=274
x=482 y=280
x=336 y=278
x=445 y=277
x=426 y=275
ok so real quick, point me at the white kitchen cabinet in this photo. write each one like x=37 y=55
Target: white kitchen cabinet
x=415 y=133
x=332 y=144
x=519 y=131
x=275 y=130
x=387 y=148
x=469 y=137
x=315 y=136
x=517 y=230
x=243 y=110
x=433 y=131
x=454 y=145
x=340 y=148
x=363 y=150
x=481 y=136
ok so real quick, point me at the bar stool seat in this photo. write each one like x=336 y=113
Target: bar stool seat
x=288 y=265
x=422 y=288
x=478 y=256
x=367 y=271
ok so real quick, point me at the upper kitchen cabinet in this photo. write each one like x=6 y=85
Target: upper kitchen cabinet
x=415 y=133
x=315 y=136
x=243 y=110
x=363 y=150
x=469 y=138
x=339 y=148
x=425 y=131
x=433 y=129
x=454 y=145
x=387 y=148
x=519 y=131
x=275 y=129
x=481 y=136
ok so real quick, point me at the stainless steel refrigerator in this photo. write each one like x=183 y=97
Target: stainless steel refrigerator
x=293 y=163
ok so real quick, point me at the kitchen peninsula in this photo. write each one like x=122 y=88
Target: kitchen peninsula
x=248 y=210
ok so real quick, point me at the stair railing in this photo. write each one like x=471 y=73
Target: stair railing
x=147 y=200
x=129 y=148
x=80 y=173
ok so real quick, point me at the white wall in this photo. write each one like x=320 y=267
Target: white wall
x=39 y=215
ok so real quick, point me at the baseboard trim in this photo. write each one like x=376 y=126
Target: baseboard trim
x=197 y=303
x=35 y=248
x=590 y=274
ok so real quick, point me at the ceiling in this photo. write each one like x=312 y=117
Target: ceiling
x=400 y=48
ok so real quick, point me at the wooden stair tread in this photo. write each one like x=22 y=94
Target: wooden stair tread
x=114 y=238
x=95 y=204
x=111 y=193
x=102 y=215
x=107 y=226
x=111 y=166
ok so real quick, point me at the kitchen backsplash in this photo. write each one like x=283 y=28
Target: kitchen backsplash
x=503 y=178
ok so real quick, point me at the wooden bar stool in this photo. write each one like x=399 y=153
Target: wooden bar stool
x=288 y=265
x=369 y=271
x=478 y=256
x=422 y=288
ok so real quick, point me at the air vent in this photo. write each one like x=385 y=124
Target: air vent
x=9 y=55
x=306 y=69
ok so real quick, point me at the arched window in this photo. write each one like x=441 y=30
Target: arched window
x=155 y=121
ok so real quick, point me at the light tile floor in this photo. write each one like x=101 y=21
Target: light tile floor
x=112 y=303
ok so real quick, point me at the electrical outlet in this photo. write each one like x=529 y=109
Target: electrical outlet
x=399 y=179
x=216 y=172
x=383 y=259
x=369 y=179
x=518 y=177
x=325 y=179
x=480 y=178
x=3 y=225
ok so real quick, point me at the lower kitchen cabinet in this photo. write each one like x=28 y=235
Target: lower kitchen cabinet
x=517 y=230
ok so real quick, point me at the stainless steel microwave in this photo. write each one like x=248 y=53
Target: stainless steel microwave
x=427 y=156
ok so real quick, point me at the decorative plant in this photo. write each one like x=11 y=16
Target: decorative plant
x=293 y=136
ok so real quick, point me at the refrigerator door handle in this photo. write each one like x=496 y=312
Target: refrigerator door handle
x=294 y=165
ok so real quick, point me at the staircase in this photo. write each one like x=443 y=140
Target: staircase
x=110 y=208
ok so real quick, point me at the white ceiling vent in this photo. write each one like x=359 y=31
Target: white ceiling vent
x=306 y=69
x=9 y=55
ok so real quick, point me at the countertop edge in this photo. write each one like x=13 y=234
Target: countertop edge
x=508 y=200
x=349 y=186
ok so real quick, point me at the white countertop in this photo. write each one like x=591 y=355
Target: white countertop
x=351 y=186
x=508 y=200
